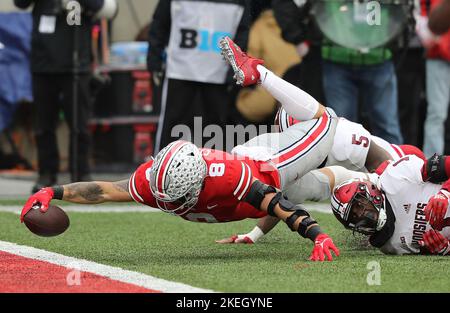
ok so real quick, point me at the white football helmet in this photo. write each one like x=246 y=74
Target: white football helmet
x=176 y=177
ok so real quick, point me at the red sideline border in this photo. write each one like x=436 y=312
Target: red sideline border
x=28 y=269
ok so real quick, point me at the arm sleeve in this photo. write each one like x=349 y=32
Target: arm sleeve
x=23 y=4
x=159 y=35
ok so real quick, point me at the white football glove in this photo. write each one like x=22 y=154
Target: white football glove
x=248 y=238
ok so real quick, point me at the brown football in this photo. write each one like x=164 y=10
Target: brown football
x=51 y=223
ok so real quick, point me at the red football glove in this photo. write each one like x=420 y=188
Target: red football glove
x=435 y=242
x=436 y=209
x=322 y=246
x=41 y=198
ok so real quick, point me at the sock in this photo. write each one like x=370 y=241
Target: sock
x=297 y=103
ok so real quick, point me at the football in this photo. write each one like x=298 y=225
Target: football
x=51 y=223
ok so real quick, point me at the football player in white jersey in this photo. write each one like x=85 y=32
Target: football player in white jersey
x=353 y=146
x=402 y=207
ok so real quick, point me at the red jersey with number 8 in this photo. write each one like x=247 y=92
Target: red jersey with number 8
x=227 y=182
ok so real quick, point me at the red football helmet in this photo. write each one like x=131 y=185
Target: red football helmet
x=359 y=205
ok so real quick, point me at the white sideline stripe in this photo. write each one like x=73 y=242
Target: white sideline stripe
x=90 y=209
x=115 y=273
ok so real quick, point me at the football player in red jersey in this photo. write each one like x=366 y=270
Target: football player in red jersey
x=202 y=185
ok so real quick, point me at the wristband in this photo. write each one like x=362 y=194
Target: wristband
x=255 y=234
x=58 y=192
x=313 y=232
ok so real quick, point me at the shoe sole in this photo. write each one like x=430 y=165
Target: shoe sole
x=228 y=55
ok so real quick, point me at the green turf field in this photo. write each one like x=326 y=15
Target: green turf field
x=171 y=248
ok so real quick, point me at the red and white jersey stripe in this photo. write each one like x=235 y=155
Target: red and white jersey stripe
x=133 y=191
x=305 y=144
x=244 y=181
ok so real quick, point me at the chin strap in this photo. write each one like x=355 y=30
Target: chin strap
x=379 y=238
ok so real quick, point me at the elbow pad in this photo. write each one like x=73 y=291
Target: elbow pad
x=257 y=192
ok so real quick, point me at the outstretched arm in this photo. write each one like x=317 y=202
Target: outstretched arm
x=97 y=192
x=85 y=192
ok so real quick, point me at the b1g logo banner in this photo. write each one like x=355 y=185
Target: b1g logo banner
x=203 y=40
x=197 y=26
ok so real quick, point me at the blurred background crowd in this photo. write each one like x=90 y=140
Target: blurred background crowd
x=99 y=85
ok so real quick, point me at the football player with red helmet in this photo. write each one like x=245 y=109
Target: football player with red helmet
x=402 y=208
x=200 y=185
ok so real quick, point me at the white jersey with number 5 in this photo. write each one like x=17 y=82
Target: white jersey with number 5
x=408 y=195
x=350 y=146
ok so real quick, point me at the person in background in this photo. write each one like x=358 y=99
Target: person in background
x=299 y=29
x=265 y=42
x=349 y=74
x=194 y=69
x=437 y=81
x=52 y=46
x=410 y=69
